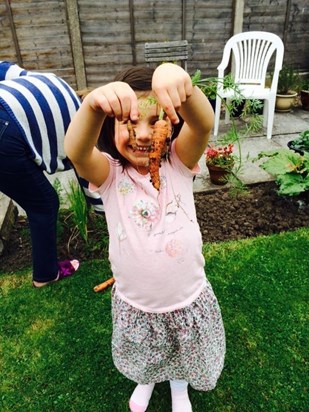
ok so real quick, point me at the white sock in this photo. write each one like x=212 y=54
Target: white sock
x=180 y=396
x=140 y=397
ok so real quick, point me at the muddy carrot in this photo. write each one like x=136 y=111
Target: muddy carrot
x=160 y=135
x=132 y=136
x=104 y=285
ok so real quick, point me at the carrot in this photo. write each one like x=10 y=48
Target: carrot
x=104 y=285
x=159 y=140
x=132 y=135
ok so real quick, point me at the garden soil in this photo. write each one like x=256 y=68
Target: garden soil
x=261 y=211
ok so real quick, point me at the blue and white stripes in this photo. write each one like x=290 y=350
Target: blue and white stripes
x=42 y=105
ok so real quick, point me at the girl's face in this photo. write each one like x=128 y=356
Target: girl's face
x=136 y=152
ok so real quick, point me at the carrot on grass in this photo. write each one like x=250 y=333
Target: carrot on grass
x=104 y=285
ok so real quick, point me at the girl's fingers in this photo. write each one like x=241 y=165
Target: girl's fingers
x=116 y=99
x=101 y=103
x=172 y=86
x=173 y=103
x=128 y=101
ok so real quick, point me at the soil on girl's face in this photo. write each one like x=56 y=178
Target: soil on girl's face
x=221 y=217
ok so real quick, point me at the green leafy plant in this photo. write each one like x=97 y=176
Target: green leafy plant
x=301 y=143
x=250 y=115
x=304 y=85
x=288 y=81
x=291 y=170
x=79 y=208
x=234 y=135
x=59 y=189
x=209 y=85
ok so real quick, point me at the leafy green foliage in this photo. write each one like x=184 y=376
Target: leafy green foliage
x=59 y=189
x=288 y=81
x=305 y=84
x=290 y=169
x=55 y=347
x=250 y=115
x=301 y=143
x=79 y=208
x=209 y=86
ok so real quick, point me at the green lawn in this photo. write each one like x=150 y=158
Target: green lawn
x=55 y=342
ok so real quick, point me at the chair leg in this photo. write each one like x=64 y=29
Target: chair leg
x=270 y=117
x=265 y=113
x=217 y=116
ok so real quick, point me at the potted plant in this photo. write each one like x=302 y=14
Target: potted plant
x=209 y=86
x=301 y=143
x=220 y=155
x=220 y=161
x=304 y=94
x=288 y=84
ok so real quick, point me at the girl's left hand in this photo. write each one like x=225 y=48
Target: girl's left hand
x=172 y=86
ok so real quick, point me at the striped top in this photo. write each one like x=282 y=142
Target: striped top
x=42 y=105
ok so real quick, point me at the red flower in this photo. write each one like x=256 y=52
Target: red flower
x=220 y=156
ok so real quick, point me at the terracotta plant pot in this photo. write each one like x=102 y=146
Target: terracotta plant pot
x=284 y=102
x=218 y=175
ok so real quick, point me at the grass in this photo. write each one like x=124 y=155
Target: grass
x=55 y=342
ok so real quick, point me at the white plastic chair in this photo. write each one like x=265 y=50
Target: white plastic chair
x=252 y=52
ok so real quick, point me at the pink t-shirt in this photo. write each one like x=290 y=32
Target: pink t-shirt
x=155 y=244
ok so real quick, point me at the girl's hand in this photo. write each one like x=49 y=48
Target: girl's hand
x=172 y=86
x=116 y=99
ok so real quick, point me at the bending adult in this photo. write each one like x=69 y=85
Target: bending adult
x=35 y=112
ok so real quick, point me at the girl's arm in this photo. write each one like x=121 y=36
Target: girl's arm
x=114 y=99
x=175 y=93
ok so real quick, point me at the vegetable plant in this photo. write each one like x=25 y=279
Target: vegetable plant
x=291 y=170
x=301 y=143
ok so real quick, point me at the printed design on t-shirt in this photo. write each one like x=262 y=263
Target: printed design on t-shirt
x=175 y=248
x=171 y=211
x=173 y=207
x=125 y=186
x=121 y=234
x=144 y=214
x=163 y=182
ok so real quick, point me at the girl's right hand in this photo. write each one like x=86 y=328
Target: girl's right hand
x=116 y=99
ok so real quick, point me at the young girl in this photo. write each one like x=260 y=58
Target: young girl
x=167 y=323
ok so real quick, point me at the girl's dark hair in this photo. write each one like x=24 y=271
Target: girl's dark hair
x=140 y=79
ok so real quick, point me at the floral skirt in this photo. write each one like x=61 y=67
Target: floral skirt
x=184 y=344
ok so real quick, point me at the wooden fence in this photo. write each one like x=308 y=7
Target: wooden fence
x=87 y=41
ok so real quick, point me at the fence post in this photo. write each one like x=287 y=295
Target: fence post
x=238 y=19
x=76 y=43
x=15 y=39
